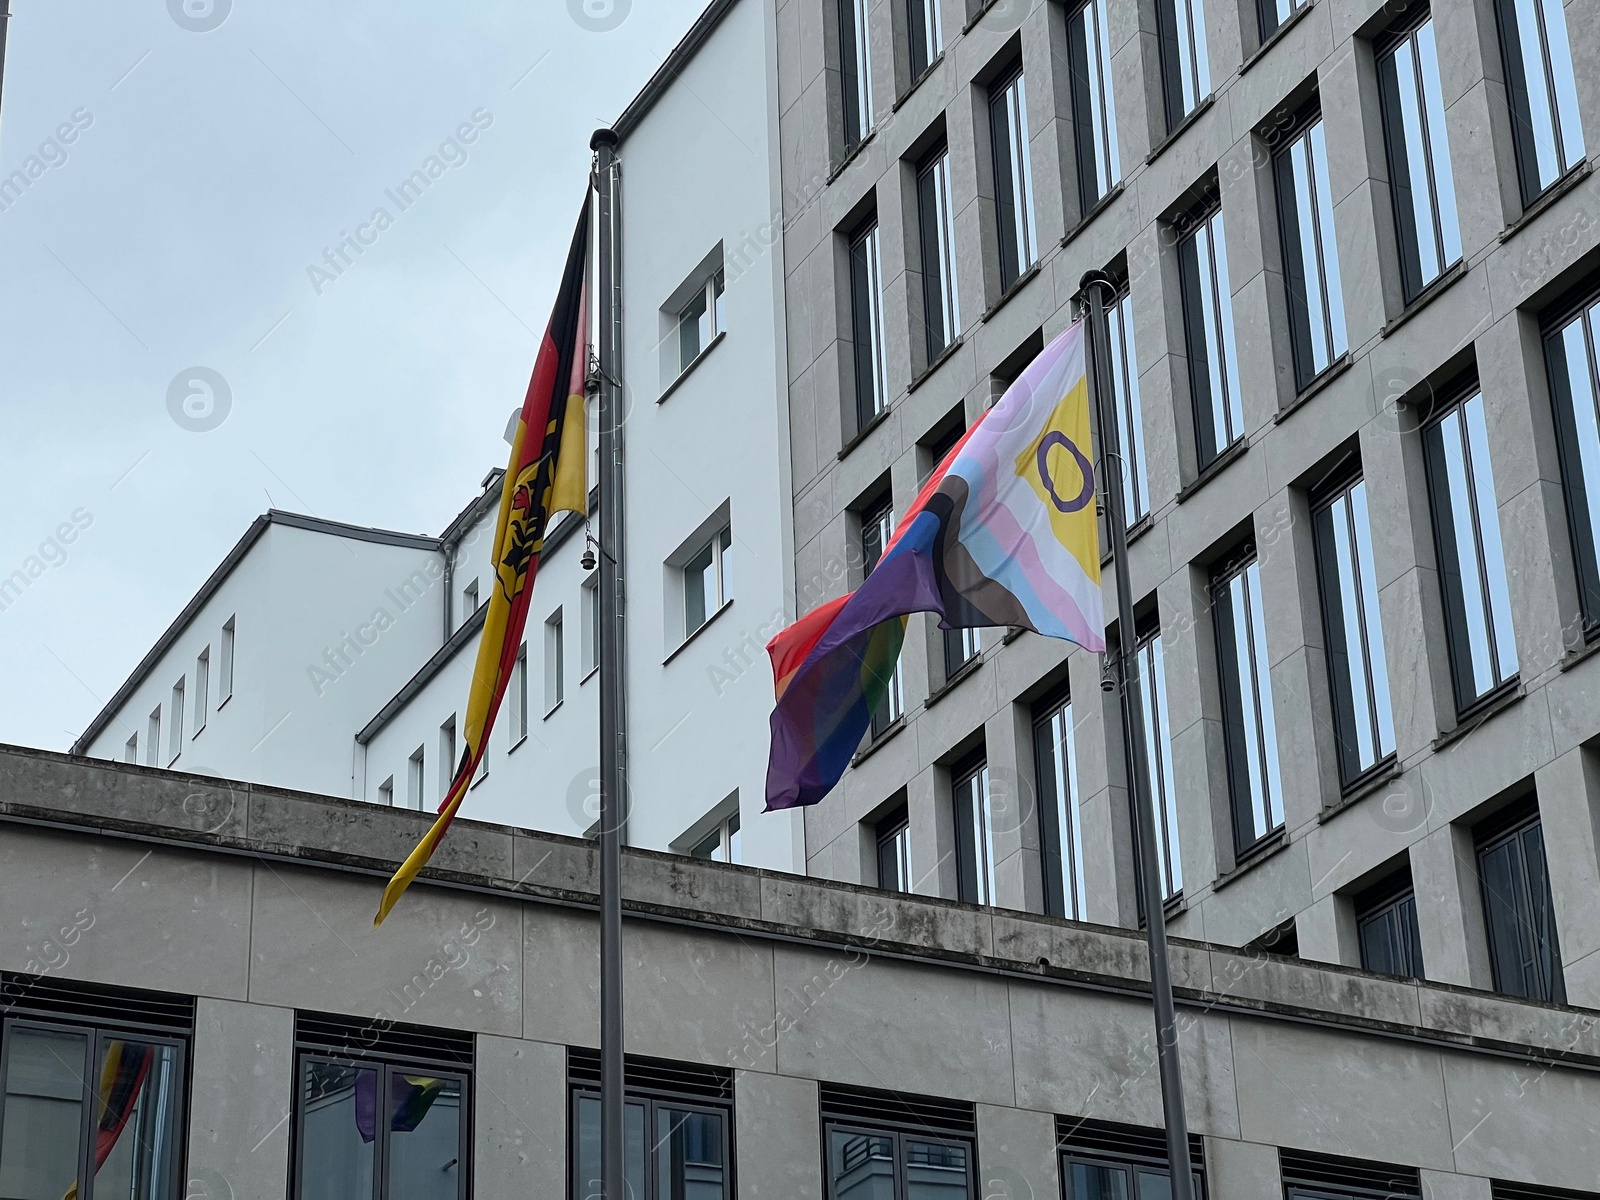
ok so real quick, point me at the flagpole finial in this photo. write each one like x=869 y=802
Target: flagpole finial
x=1097 y=278
x=603 y=137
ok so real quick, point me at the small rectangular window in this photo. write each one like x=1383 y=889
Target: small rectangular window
x=1158 y=760
x=386 y=792
x=1310 y=254
x=202 y=689
x=589 y=633
x=1420 y=179
x=469 y=600
x=1094 y=108
x=1208 y=332
x=925 y=35
x=1386 y=927
x=1546 y=128
x=969 y=788
x=130 y=752
x=866 y=325
x=1518 y=909
x=152 y=739
x=447 y=756
x=226 y=665
x=864 y=1161
x=1055 y=761
x=1130 y=412
x=175 y=728
x=877 y=527
x=518 y=724
x=1185 y=58
x=1472 y=568
x=701 y=320
x=941 y=313
x=1571 y=355
x=678 y=1124
x=1325 y=1177
x=708 y=581
x=855 y=71
x=892 y=837
x=1353 y=632
x=555 y=662
x=721 y=844
x=1101 y=1160
x=1273 y=13
x=1013 y=178
x=1249 y=728
x=416 y=779
x=961 y=646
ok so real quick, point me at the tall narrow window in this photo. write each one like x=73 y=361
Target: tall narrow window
x=226 y=665
x=722 y=843
x=925 y=33
x=386 y=792
x=416 y=779
x=175 y=706
x=1094 y=109
x=707 y=581
x=1248 y=725
x=855 y=71
x=892 y=835
x=518 y=724
x=1185 y=58
x=969 y=789
x=1273 y=13
x=940 y=312
x=1055 y=764
x=1208 y=331
x=555 y=662
x=961 y=646
x=1310 y=256
x=877 y=527
x=1130 y=414
x=130 y=752
x=866 y=323
x=202 y=689
x=447 y=756
x=1472 y=567
x=1544 y=96
x=1386 y=927
x=1013 y=178
x=152 y=739
x=1357 y=667
x=1571 y=358
x=469 y=600
x=1158 y=761
x=1420 y=178
x=590 y=632
x=1519 y=912
x=701 y=320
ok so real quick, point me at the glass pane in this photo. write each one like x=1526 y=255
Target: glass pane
x=698 y=594
x=1091 y=1181
x=860 y=1166
x=1536 y=124
x=134 y=1141
x=42 y=1117
x=1334 y=285
x=1566 y=92
x=1444 y=184
x=691 y=329
x=338 y=1130
x=1305 y=234
x=935 y=1171
x=1377 y=661
x=1494 y=559
x=424 y=1137
x=689 y=1158
x=586 y=1173
x=1466 y=578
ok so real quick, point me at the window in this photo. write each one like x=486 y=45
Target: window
x=1353 y=632
x=1386 y=927
x=1520 y=915
x=1274 y=13
x=202 y=689
x=961 y=646
x=892 y=835
x=1208 y=332
x=1472 y=568
x=555 y=658
x=1101 y=1160
x=1324 y=1177
x=589 y=630
x=1013 y=178
x=870 y=1154
x=708 y=581
x=877 y=527
x=1571 y=357
x=416 y=777
x=722 y=843
x=518 y=724
x=1055 y=761
x=1094 y=109
x=152 y=739
x=381 y=1113
x=855 y=71
x=677 y=1121
x=941 y=314
x=130 y=752
x=1130 y=413
x=175 y=731
x=227 y=661
x=447 y=756
x=1158 y=755
x=969 y=790
x=1249 y=730
x=1310 y=257
x=91 y=1111
x=386 y=792
x=1185 y=60
x=701 y=320
x=1420 y=179
x=866 y=323
x=925 y=33
x=1544 y=97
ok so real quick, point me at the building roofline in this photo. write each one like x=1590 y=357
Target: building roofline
x=656 y=86
x=473 y=512
x=273 y=516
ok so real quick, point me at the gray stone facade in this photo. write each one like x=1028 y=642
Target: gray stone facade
x=258 y=904
x=1516 y=267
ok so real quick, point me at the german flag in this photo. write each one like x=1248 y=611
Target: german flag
x=547 y=475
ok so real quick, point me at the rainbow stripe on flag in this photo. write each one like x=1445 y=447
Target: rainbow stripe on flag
x=1003 y=533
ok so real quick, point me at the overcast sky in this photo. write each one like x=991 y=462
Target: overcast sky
x=213 y=152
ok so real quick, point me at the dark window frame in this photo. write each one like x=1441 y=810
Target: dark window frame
x=1016 y=231
x=924 y=46
x=889 y=832
x=1268 y=22
x=1393 y=902
x=936 y=246
x=1059 y=861
x=1094 y=116
x=898 y=1135
x=1135 y=1150
x=1172 y=48
x=1517 y=830
x=974 y=883
x=1241 y=797
x=1523 y=137
x=1582 y=527
x=1205 y=340
x=857 y=124
x=1335 y=345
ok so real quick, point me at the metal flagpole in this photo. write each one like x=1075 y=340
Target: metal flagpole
x=5 y=22
x=1096 y=286
x=613 y=769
